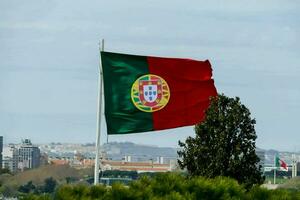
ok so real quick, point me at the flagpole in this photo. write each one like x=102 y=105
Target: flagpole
x=98 y=128
x=293 y=165
x=274 y=169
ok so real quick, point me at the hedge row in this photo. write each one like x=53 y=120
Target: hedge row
x=169 y=186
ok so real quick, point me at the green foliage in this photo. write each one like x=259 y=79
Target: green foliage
x=224 y=144
x=71 y=192
x=169 y=186
x=4 y=171
x=27 y=188
x=165 y=183
x=49 y=185
x=218 y=188
x=97 y=192
x=71 y=179
x=67 y=192
x=36 y=197
x=293 y=184
x=278 y=194
x=141 y=189
x=118 y=192
x=8 y=191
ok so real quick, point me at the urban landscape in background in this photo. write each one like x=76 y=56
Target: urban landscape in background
x=127 y=157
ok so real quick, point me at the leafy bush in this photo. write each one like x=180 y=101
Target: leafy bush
x=170 y=186
x=71 y=192
x=36 y=197
x=262 y=193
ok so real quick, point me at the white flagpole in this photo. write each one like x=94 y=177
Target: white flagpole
x=295 y=168
x=293 y=158
x=98 y=129
x=274 y=169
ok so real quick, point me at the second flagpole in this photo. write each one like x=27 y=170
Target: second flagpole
x=274 y=169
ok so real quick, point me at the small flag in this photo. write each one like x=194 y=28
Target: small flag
x=145 y=93
x=280 y=164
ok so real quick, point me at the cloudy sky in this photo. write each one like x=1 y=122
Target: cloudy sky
x=49 y=62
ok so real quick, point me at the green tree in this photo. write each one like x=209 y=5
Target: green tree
x=50 y=184
x=27 y=188
x=8 y=191
x=224 y=144
x=4 y=171
x=167 y=186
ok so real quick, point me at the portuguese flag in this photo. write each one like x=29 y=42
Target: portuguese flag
x=145 y=93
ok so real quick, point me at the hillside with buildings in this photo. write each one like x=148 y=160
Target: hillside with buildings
x=124 y=156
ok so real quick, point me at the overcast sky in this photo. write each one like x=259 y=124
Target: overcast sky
x=49 y=62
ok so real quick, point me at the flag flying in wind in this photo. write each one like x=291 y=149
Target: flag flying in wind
x=280 y=164
x=144 y=93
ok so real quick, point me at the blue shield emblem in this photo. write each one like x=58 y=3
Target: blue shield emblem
x=150 y=93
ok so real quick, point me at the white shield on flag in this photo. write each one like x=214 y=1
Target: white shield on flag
x=150 y=93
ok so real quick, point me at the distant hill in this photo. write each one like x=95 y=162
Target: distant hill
x=113 y=150
x=139 y=152
x=37 y=176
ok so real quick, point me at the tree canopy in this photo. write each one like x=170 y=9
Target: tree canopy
x=167 y=186
x=224 y=144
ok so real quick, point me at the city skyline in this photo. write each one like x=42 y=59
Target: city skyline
x=49 y=63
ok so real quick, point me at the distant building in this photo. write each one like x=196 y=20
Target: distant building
x=1 y=150
x=29 y=155
x=127 y=158
x=10 y=158
x=59 y=162
x=160 y=160
x=135 y=166
x=21 y=157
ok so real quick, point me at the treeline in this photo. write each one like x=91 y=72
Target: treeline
x=168 y=186
x=48 y=187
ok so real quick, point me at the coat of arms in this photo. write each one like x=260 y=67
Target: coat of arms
x=150 y=93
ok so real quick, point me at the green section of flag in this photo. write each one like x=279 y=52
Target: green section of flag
x=277 y=163
x=119 y=72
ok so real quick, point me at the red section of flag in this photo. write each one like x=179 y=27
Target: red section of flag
x=190 y=86
x=283 y=165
